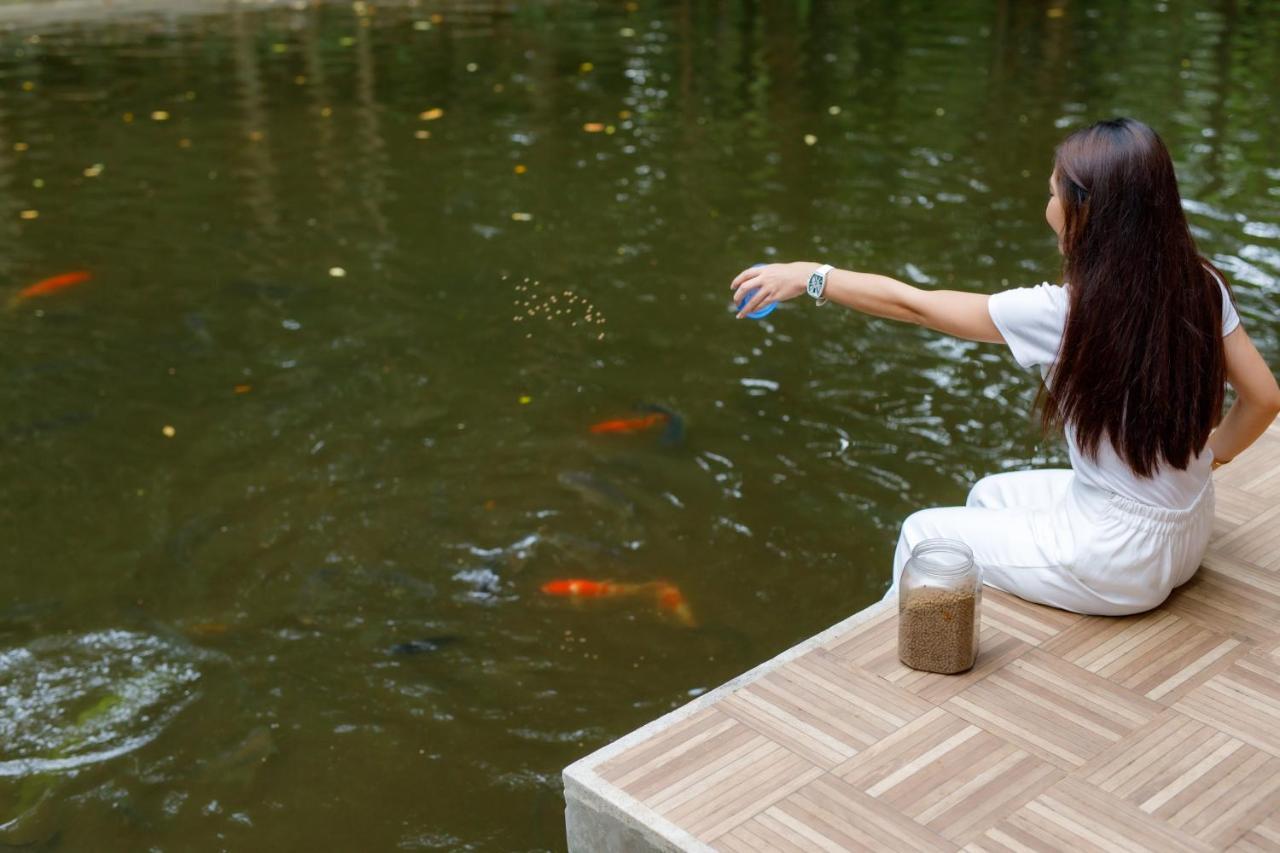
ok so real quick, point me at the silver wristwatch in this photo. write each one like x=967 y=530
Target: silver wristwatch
x=818 y=283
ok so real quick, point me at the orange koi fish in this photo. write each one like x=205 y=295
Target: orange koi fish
x=579 y=588
x=625 y=425
x=53 y=284
x=669 y=597
x=672 y=600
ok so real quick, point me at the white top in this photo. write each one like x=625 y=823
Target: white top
x=1032 y=320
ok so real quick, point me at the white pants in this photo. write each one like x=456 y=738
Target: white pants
x=1047 y=537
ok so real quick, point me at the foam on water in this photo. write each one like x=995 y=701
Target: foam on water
x=78 y=700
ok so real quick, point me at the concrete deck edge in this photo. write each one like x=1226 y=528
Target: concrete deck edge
x=590 y=798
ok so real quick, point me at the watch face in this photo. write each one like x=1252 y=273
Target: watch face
x=814 y=282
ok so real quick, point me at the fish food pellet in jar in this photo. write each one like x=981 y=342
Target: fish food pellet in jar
x=939 y=607
x=935 y=630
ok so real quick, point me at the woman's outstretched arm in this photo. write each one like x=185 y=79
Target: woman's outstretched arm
x=953 y=312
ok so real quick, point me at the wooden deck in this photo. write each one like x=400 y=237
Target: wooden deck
x=1159 y=731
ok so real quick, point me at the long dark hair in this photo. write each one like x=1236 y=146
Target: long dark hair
x=1141 y=362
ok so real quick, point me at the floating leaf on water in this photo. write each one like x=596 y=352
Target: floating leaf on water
x=437 y=18
x=279 y=47
x=471 y=66
x=626 y=32
x=242 y=389
x=159 y=115
x=346 y=41
x=337 y=272
x=27 y=85
x=593 y=127
x=93 y=171
x=168 y=431
x=38 y=183
x=1055 y=12
x=127 y=118
x=422 y=25
x=525 y=399
x=422 y=134
x=624 y=114
x=325 y=112
x=609 y=129
x=810 y=139
x=30 y=214
x=431 y=114
x=585 y=67
x=941 y=111
x=20 y=146
x=520 y=216
x=520 y=168
x=833 y=110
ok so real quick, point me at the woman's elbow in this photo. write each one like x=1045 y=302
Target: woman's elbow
x=913 y=307
x=1268 y=403
x=1273 y=403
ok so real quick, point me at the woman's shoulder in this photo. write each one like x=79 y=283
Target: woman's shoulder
x=1035 y=299
x=1030 y=320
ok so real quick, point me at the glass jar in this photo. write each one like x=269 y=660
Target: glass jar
x=939 y=607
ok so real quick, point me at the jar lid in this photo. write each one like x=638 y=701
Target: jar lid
x=942 y=556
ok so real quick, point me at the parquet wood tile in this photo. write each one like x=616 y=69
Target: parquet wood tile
x=829 y=814
x=1075 y=816
x=1024 y=620
x=948 y=774
x=1192 y=776
x=875 y=649
x=1052 y=708
x=1243 y=700
x=823 y=708
x=724 y=799
x=1158 y=731
x=1254 y=541
x=1264 y=837
x=1260 y=474
x=1158 y=654
x=1230 y=597
x=1233 y=507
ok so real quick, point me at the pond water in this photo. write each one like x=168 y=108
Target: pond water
x=282 y=481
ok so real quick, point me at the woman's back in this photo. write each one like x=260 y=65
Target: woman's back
x=1032 y=320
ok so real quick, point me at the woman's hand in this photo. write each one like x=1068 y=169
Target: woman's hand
x=772 y=283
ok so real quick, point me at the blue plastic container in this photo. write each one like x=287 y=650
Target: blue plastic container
x=759 y=313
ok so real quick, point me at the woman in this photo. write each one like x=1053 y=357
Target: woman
x=1133 y=351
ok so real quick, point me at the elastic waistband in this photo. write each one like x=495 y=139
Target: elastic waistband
x=1159 y=514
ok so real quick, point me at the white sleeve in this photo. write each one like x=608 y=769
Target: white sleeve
x=1230 y=318
x=1031 y=320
